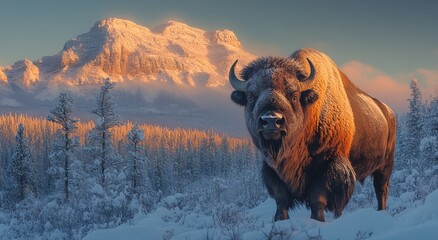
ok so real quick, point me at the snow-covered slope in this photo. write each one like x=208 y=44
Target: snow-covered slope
x=123 y=50
x=173 y=223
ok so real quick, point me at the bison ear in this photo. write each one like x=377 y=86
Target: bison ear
x=239 y=97
x=308 y=97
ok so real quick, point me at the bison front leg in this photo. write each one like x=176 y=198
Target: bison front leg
x=278 y=190
x=332 y=189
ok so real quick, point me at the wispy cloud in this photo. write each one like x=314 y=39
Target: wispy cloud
x=393 y=90
x=378 y=84
x=430 y=78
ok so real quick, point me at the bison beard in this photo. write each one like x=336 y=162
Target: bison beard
x=273 y=146
x=332 y=133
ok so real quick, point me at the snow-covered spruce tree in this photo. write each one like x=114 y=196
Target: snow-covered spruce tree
x=429 y=148
x=164 y=172
x=101 y=134
x=208 y=152
x=193 y=162
x=140 y=192
x=20 y=176
x=414 y=123
x=224 y=155
x=137 y=174
x=64 y=145
x=429 y=142
x=432 y=118
x=180 y=168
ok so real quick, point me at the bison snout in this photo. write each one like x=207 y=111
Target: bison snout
x=271 y=125
x=271 y=121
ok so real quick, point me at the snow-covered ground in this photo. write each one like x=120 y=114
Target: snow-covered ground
x=170 y=222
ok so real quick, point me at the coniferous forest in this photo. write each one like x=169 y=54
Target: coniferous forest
x=61 y=177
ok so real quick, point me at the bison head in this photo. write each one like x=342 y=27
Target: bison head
x=276 y=93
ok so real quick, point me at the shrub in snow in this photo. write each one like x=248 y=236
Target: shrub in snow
x=284 y=231
x=428 y=144
x=174 y=201
x=168 y=235
x=24 y=224
x=231 y=218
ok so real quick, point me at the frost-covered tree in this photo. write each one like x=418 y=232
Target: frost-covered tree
x=107 y=119
x=136 y=162
x=64 y=146
x=431 y=122
x=162 y=165
x=208 y=152
x=20 y=173
x=180 y=168
x=414 y=121
x=193 y=164
x=429 y=141
x=224 y=157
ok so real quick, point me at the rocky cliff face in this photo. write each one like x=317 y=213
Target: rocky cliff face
x=125 y=51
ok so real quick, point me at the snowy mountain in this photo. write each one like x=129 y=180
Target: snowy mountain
x=172 y=74
x=125 y=51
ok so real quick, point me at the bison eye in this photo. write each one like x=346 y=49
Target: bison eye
x=301 y=77
x=292 y=95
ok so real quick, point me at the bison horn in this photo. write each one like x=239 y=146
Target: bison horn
x=312 y=71
x=306 y=82
x=237 y=84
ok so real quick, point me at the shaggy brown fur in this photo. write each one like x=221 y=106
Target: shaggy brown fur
x=335 y=133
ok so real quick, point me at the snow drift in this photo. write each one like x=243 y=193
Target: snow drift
x=413 y=223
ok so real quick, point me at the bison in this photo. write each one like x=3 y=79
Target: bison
x=318 y=132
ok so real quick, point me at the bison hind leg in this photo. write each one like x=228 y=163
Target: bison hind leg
x=381 y=186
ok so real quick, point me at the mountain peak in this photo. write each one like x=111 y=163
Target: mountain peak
x=226 y=36
x=177 y=28
x=112 y=25
x=177 y=23
x=24 y=73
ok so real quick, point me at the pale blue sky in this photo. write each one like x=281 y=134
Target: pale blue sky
x=396 y=37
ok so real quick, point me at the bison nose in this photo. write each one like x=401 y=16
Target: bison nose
x=271 y=121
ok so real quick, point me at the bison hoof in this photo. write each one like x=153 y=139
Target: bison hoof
x=281 y=214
